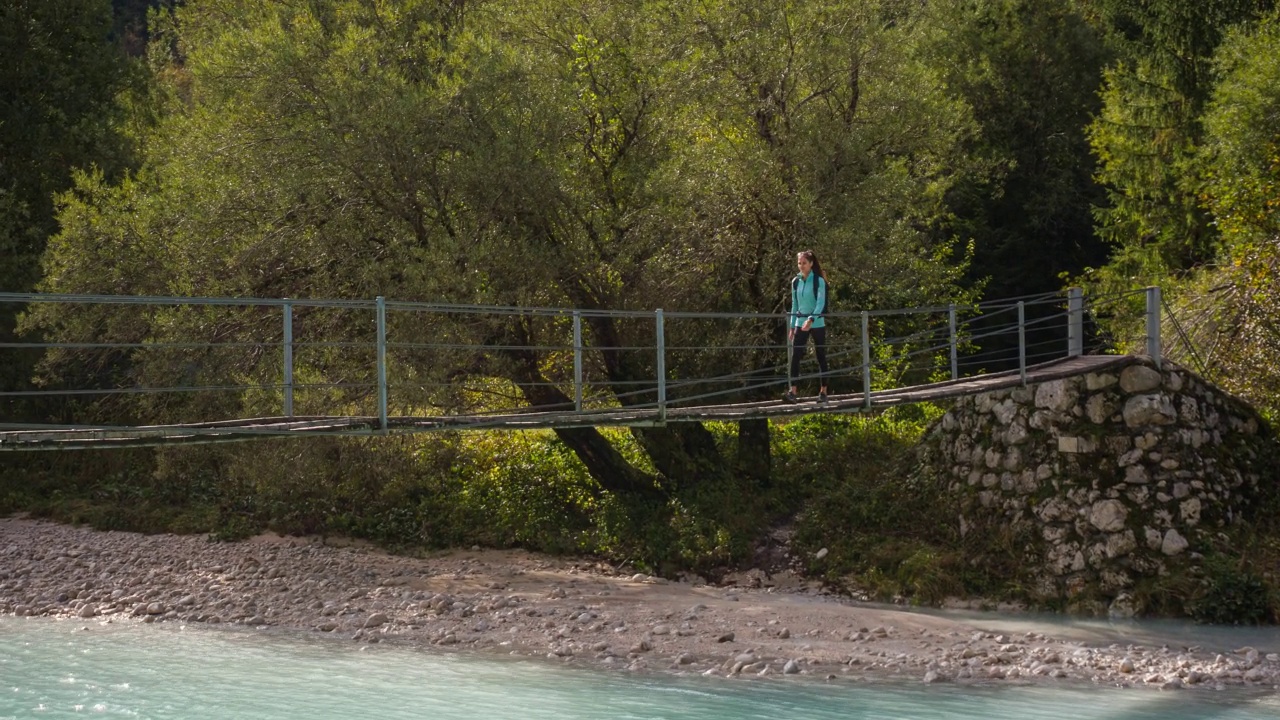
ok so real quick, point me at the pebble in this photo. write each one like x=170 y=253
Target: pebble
x=58 y=571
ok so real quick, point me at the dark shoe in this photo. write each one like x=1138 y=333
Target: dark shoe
x=789 y=397
x=822 y=398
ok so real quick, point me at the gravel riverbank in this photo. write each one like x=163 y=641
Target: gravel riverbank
x=569 y=611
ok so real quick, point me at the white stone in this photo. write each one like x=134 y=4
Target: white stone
x=1141 y=410
x=1108 y=515
x=1129 y=458
x=1071 y=444
x=1053 y=509
x=1099 y=381
x=1017 y=434
x=1054 y=534
x=1056 y=395
x=1098 y=408
x=1173 y=543
x=1005 y=412
x=1139 y=379
x=1189 y=412
x=1136 y=475
x=1190 y=511
x=1153 y=538
x=992 y=458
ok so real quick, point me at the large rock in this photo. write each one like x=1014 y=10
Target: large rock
x=1173 y=543
x=1121 y=544
x=1142 y=410
x=1005 y=412
x=1108 y=515
x=1056 y=395
x=1099 y=408
x=1099 y=381
x=1139 y=379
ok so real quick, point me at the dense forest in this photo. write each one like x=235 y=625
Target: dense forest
x=613 y=155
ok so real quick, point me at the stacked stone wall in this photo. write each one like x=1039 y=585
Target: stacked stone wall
x=1102 y=478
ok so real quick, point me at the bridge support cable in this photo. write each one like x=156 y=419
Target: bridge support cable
x=1201 y=367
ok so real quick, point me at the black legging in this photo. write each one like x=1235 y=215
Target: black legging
x=801 y=344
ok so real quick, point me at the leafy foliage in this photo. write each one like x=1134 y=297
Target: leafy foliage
x=592 y=155
x=58 y=111
x=1229 y=307
x=1150 y=127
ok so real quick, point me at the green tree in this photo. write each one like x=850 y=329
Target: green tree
x=61 y=75
x=592 y=154
x=1233 y=309
x=1146 y=136
x=1030 y=69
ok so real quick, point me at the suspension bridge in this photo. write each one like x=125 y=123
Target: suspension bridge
x=121 y=371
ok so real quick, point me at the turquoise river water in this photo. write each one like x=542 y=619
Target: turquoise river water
x=64 y=668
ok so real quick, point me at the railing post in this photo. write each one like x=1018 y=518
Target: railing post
x=866 y=359
x=662 y=366
x=1075 y=322
x=1022 y=341
x=382 y=363
x=1153 y=324
x=955 y=361
x=577 y=361
x=288 y=359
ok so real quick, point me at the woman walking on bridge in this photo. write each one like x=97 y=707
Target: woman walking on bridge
x=808 y=303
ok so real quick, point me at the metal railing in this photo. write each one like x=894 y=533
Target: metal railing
x=122 y=361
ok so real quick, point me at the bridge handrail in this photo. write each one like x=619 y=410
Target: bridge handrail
x=964 y=337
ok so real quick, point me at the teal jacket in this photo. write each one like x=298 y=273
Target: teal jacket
x=807 y=304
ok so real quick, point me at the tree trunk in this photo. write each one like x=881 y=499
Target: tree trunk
x=684 y=453
x=603 y=461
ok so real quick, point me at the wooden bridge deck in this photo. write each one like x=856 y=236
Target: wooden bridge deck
x=57 y=438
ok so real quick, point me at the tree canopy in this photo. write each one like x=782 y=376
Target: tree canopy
x=590 y=154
